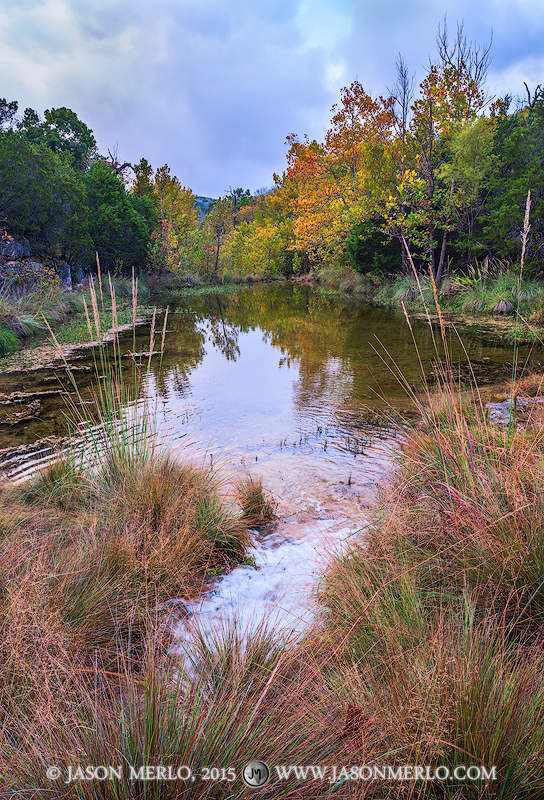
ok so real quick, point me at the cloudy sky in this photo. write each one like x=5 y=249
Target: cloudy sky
x=212 y=87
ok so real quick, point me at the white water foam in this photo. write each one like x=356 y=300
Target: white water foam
x=279 y=591
x=320 y=513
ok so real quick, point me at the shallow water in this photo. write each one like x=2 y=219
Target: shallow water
x=286 y=383
x=266 y=369
x=291 y=557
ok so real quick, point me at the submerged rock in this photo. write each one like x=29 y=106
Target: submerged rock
x=503 y=413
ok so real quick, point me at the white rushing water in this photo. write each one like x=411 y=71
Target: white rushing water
x=280 y=590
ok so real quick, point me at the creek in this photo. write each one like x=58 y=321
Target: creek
x=285 y=383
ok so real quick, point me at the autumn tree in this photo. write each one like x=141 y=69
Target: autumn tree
x=340 y=183
x=451 y=96
x=178 y=242
x=243 y=205
x=274 y=211
x=218 y=225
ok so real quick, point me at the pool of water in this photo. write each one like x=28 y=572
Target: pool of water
x=270 y=370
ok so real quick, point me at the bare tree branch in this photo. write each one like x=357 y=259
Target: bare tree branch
x=537 y=94
x=402 y=93
x=114 y=163
x=461 y=54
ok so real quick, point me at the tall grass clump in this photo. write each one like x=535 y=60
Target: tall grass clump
x=93 y=549
x=256 y=506
x=436 y=616
x=236 y=705
x=29 y=293
x=165 y=516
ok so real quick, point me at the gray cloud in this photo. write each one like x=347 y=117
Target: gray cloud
x=383 y=28
x=213 y=88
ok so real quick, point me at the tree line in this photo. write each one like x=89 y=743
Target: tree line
x=73 y=204
x=434 y=176
x=423 y=177
x=57 y=192
x=418 y=178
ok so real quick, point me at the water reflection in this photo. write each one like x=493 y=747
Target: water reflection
x=224 y=337
x=288 y=367
x=276 y=370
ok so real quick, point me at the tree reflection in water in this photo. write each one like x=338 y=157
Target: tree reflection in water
x=224 y=335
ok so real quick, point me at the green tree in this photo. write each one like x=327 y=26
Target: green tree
x=467 y=171
x=7 y=112
x=240 y=199
x=42 y=197
x=63 y=132
x=142 y=193
x=517 y=167
x=143 y=182
x=368 y=248
x=120 y=232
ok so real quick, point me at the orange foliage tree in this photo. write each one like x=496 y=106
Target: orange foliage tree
x=393 y=164
x=428 y=197
x=178 y=242
x=340 y=182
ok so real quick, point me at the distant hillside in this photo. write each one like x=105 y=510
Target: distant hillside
x=203 y=204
